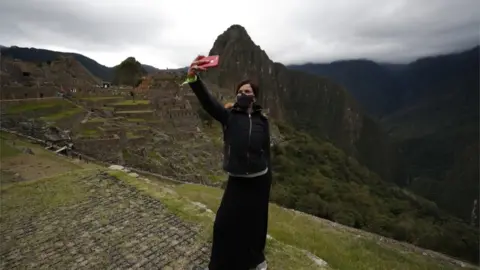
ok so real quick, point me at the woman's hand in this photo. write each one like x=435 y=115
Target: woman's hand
x=195 y=66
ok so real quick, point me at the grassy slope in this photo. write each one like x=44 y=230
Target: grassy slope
x=34 y=195
x=342 y=248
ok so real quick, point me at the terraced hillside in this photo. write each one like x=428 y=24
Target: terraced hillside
x=161 y=131
x=20 y=79
x=158 y=131
x=62 y=213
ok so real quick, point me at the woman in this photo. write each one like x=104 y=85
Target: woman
x=240 y=228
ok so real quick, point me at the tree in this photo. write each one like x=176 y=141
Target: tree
x=130 y=72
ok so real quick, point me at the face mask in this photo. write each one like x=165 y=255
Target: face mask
x=244 y=101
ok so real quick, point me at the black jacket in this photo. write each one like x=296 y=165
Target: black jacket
x=246 y=136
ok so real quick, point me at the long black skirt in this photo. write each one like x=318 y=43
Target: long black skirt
x=240 y=228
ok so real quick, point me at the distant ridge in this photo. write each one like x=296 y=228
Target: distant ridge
x=42 y=55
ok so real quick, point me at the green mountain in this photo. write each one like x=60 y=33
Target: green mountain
x=430 y=109
x=129 y=72
x=317 y=175
x=372 y=85
x=316 y=105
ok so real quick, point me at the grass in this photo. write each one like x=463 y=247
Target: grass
x=96 y=120
x=216 y=179
x=134 y=112
x=36 y=105
x=6 y=150
x=215 y=133
x=340 y=248
x=58 y=188
x=90 y=132
x=100 y=98
x=17 y=166
x=62 y=114
x=174 y=203
x=132 y=102
x=280 y=256
x=132 y=135
x=135 y=120
x=27 y=198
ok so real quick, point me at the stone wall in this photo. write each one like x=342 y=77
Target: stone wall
x=135 y=107
x=109 y=131
x=137 y=114
x=103 y=149
x=46 y=106
x=136 y=142
x=91 y=125
x=184 y=135
x=71 y=122
x=6 y=103
x=181 y=113
x=143 y=132
x=22 y=92
x=99 y=103
x=192 y=101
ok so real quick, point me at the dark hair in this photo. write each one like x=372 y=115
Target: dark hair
x=252 y=84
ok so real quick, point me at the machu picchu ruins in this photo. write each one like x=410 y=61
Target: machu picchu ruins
x=120 y=167
x=148 y=130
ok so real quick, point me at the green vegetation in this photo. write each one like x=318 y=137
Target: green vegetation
x=96 y=120
x=135 y=120
x=132 y=102
x=340 y=247
x=217 y=179
x=443 y=167
x=7 y=150
x=317 y=178
x=27 y=198
x=280 y=256
x=129 y=72
x=94 y=98
x=132 y=135
x=90 y=132
x=37 y=105
x=62 y=114
x=134 y=112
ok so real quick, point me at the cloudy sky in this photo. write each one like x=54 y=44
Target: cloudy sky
x=170 y=33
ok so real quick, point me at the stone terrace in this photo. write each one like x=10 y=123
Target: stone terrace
x=113 y=227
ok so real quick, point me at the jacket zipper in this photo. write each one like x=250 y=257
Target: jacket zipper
x=249 y=136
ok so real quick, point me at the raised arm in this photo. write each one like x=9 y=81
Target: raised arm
x=207 y=100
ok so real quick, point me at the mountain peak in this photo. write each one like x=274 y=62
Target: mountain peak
x=234 y=34
x=236 y=31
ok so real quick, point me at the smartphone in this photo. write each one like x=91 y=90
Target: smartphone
x=212 y=61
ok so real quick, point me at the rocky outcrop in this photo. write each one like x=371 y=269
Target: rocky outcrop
x=315 y=104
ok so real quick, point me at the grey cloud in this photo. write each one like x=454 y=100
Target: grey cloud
x=294 y=32
x=396 y=31
x=73 y=24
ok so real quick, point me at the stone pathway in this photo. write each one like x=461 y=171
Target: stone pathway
x=117 y=227
x=85 y=119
